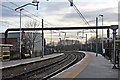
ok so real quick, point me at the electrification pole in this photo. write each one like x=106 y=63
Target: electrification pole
x=20 y=34
x=96 y=36
x=102 y=34
x=86 y=43
x=21 y=8
x=42 y=39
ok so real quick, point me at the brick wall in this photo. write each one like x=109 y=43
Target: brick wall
x=12 y=41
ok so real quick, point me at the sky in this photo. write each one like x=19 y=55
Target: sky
x=58 y=13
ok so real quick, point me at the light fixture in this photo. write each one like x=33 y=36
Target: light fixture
x=71 y=2
x=35 y=1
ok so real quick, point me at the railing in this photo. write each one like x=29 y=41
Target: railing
x=109 y=55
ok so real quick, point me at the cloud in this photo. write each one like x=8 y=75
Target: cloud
x=8 y=9
x=71 y=15
x=110 y=15
x=17 y=0
x=52 y=8
x=45 y=8
x=8 y=13
x=63 y=1
x=60 y=13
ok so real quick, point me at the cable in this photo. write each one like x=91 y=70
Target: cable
x=30 y=13
x=17 y=11
x=8 y=23
x=24 y=14
x=80 y=15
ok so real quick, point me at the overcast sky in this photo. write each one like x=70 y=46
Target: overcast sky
x=59 y=12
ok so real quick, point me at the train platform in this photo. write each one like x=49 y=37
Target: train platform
x=90 y=67
x=13 y=63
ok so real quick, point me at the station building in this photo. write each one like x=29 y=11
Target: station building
x=30 y=40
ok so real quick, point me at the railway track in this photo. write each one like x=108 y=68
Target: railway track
x=51 y=67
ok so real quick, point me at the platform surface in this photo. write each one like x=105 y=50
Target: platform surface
x=90 y=67
x=99 y=67
x=25 y=61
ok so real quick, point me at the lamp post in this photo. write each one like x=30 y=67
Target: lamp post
x=20 y=33
x=102 y=33
x=60 y=42
x=34 y=1
x=21 y=8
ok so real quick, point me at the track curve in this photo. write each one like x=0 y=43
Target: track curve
x=52 y=67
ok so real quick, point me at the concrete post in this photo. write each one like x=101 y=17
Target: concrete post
x=42 y=40
x=108 y=41
x=91 y=43
x=86 y=43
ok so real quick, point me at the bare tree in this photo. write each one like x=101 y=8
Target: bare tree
x=32 y=36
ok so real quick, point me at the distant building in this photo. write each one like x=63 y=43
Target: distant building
x=13 y=38
x=68 y=42
x=29 y=40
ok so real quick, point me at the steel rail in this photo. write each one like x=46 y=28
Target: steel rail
x=65 y=62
